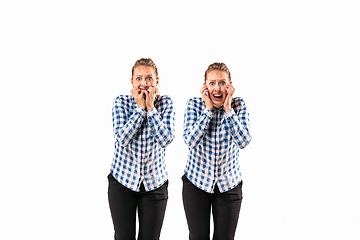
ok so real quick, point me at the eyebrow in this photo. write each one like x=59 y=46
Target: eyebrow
x=150 y=75
x=212 y=80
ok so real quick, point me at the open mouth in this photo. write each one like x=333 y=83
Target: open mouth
x=217 y=97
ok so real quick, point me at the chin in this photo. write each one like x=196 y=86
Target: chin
x=218 y=105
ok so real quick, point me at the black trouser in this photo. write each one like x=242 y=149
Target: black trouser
x=225 y=207
x=151 y=210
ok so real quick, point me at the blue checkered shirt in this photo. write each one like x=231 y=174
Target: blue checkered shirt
x=140 y=141
x=214 y=140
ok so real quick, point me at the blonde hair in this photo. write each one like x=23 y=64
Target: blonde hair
x=218 y=66
x=144 y=62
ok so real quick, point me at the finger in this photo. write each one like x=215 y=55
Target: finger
x=204 y=87
x=151 y=90
x=230 y=90
x=150 y=93
x=204 y=92
x=133 y=92
x=231 y=87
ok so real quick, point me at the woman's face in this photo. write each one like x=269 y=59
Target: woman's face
x=216 y=82
x=144 y=77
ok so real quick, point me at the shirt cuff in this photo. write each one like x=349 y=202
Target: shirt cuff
x=230 y=113
x=208 y=112
x=140 y=111
x=152 y=112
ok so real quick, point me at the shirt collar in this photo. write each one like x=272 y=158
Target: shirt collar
x=219 y=109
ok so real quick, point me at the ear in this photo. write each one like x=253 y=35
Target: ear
x=204 y=84
x=131 y=80
x=157 y=81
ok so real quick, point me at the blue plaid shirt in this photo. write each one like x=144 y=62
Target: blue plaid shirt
x=140 y=141
x=214 y=139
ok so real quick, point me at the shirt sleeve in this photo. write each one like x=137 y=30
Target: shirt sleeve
x=195 y=127
x=239 y=125
x=163 y=128
x=125 y=127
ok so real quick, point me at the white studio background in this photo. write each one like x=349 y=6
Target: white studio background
x=296 y=63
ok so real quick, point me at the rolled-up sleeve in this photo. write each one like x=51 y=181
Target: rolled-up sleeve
x=194 y=126
x=163 y=126
x=239 y=125
x=125 y=128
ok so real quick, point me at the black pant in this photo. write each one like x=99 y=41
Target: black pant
x=151 y=210
x=225 y=207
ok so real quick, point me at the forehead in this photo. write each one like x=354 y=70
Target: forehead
x=217 y=75
x=144 y=70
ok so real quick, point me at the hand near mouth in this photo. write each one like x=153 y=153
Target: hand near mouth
x=230 y=91
x=150 y=97
x=139 y=97
x=204 y=91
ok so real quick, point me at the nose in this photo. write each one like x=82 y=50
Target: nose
x=217 y=86
x=143 y=82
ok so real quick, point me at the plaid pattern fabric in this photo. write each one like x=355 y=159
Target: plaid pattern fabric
x=214 y=139
x=140 y=141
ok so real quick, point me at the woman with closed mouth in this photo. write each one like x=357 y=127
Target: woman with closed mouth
x=216 y=127
x=143 y=125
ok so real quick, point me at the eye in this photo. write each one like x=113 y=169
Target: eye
x=138 y=78
x=223 y=84
x=149 y=78
x=211 y=83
